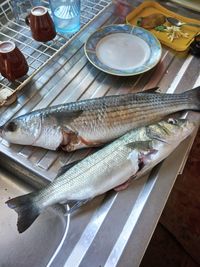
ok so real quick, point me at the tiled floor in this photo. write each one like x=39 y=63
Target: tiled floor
x=176 y=240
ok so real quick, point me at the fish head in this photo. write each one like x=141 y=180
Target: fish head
x=23 y=130
x=171 y=130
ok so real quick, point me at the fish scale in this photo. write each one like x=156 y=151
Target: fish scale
x=101 y=162
x=133 y=154
x=125 y=115
x=92 y=122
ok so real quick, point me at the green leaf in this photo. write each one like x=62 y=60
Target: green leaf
x=160 y=28
x=139 y=22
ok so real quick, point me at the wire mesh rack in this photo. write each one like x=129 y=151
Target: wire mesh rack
x=39 y=54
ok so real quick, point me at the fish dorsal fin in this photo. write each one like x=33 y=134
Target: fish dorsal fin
x=140 y=145
x=152 y=90
x=65 y=168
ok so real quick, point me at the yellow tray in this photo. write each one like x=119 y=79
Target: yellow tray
x=191 y=4
x=148 y=8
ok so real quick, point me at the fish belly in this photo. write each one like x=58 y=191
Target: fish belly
x=103 y=180
x=95 y=175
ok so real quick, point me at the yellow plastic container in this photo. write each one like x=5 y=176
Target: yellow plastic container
x=148 y=8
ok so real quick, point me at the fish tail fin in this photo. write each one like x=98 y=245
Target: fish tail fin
x=194 y=98
x=27 y=210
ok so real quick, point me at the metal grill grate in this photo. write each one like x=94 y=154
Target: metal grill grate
x=39 y=54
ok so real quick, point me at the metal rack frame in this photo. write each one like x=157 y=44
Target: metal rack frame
x=40 y=54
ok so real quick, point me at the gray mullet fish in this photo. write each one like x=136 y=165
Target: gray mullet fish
x=131 y=155
x=93 y=122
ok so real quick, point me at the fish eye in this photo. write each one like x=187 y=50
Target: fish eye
x=11 y=127
x=172 y=121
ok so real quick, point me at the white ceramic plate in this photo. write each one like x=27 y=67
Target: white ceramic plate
x=123 y=50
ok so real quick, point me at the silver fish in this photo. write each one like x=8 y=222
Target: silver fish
x=131 y=155
x=93 y=122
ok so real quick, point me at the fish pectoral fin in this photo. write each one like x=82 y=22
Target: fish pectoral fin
x=65 y=168
x=67 y=117
x=75 y=204
x=140 y=145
